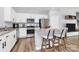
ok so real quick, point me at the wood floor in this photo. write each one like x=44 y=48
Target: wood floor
x=27 y=45
x=24 y=45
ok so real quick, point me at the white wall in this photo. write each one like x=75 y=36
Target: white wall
x=56 y=18
x=22 y=17
x=69 y=11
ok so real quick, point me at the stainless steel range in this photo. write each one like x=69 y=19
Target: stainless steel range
x=30 y=27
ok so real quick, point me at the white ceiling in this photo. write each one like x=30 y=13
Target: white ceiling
x=36 y=10
x=45 y=10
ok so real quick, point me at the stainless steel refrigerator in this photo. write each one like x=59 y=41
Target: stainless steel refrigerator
x=43 y=23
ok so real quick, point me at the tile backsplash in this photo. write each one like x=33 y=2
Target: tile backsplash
x=4 y=24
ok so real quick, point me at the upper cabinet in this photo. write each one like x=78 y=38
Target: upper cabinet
x=9 y=14
x=13 y=15
x=1 y=13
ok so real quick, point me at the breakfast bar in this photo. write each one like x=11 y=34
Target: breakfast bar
x=38 y=38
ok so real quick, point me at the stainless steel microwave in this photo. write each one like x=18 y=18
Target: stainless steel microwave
x=30 y=20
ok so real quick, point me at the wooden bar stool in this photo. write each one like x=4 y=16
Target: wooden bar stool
x=60 y=38
x=47 y=40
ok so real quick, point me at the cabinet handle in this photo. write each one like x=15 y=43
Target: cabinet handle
x=0 y=39
x=2 y=45
x=5 y=43
x=14 y=36
x=6 y=36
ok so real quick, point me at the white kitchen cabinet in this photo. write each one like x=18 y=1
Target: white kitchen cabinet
x=20 y=20
x=13 y=15
x=1 y=13
x=11 y=40
x=2 y=44
x=9 y=14
x=14 y=39
x=22 y=32
x=7 y=41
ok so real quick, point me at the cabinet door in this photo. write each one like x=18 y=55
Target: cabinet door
x=22 y=32
x=8 y=42
x=2 y=44
x=7 y=14
x=13 y=15
x=13 y=40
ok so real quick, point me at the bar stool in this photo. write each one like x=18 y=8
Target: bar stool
x=47 y=39
x=60 y=38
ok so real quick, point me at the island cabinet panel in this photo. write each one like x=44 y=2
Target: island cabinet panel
x=38 y=39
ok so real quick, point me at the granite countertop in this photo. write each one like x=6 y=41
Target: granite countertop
x=3 y=31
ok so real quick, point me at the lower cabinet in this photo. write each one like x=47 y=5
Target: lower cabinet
x=8 y=41
x=13 y=40
x=3 y=44
x=22 y=32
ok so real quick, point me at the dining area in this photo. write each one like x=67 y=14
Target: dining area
x=50 y=39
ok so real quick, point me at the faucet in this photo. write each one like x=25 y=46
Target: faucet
x=5 y=28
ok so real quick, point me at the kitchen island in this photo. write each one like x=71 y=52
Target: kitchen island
x=38 y=38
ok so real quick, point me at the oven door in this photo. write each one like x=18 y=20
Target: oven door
x=30 y=31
